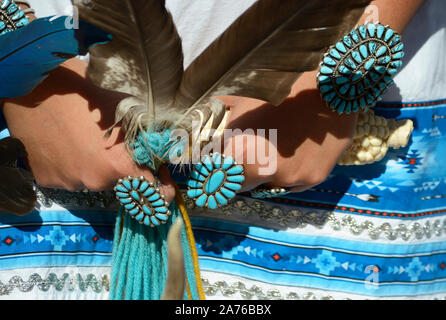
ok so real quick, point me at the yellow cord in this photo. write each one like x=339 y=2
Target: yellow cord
x=191 y=240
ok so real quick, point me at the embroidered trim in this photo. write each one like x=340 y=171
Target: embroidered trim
x=322 y=218
x=212 y=289
x=48 y=197
x=65 y=282
x=222 y=287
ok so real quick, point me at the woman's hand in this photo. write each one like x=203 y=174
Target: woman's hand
x=310 y=137
x=62 y=125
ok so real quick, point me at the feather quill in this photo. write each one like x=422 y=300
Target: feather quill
x=144 y=59
x=264 y=51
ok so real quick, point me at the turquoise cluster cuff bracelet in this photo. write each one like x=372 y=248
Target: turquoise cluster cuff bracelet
x=142 y=200
x=357 y=71
x=11 y=16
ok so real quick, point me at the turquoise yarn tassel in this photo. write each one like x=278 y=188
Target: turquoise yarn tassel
x=139 y=261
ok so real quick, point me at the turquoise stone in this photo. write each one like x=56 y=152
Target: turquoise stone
x=398 y=55
x=147 y=221
x=135 y=183
x=324 y=79
x=162 y=217
x=392 y=71
x=19 y=14
x=398 y=48
x=193 y=193
x=371 y=28
x=335 y=54
x=326 y=70
x=389 y=34
x=121 y=188
x=195 y=175
x=158 y=203
x=237 y=179
x=349 y=63
x=397 y=64
x=380 y=31
x=201 y=169
x=329 y=61
x=381 y=51
x=372 y=47
x=358 y=75
x=341 y=107
x=340 y=46
x=221 y=199
x=125 y=201
x=369 y=64
x=146 y=210
x=127 y=184
x=227 y=163
x=355 y=106
x=233 y=186
x=22 y=22
x=384 y=60
x=227 y=193
x=139 y=217
x=12 y=8
x=330 y=96
x=344 y=88
x=348 y=41
x=352 y=93
x=325 y=88
x=143 y=187
x=341 y=80
x=381 y=69
x=201 y=201
x=364 y=52
x=348 y=109
x=235 y=170
x=194 y=184
x=208 y=163
x=215 y=182
x=122 y=194
x=356 y=56
x=212 y=204
x=2 y=25
x=344 y=70
x=134 y=211
x=363 y=32
x=155 y=197
x=355 y=36
x=129 y=206
x=148 y=192
x=216 y=159
x=155 y=221
x=135 y=195
x=161 y=209
x=5 y=3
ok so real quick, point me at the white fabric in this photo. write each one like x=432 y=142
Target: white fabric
x=199 y=22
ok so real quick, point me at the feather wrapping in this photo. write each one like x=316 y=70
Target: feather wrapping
x=144 y=59
x=28 y=54
x=264 y=51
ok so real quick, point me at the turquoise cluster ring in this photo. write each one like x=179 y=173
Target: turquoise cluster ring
x=214 y=181
x=142 y=200
x=11 y=16
x=357 y=71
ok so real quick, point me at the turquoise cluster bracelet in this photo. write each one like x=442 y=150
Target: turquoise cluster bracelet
x=357 y=71
x=11 y=16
